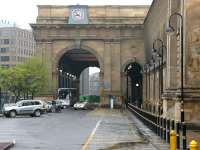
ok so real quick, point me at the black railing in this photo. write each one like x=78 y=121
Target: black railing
x=158 y=124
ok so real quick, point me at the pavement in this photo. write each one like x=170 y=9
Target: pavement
x=6 y=145
x=118 y=130
x=100 y=129
x=103 y=129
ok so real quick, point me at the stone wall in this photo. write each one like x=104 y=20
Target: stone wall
x=49 y=14
x=154 y=28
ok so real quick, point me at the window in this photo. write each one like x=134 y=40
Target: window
x=26 y=103
x=37 y=103
x=3 y=50
x=5 y=58
x=6 y=41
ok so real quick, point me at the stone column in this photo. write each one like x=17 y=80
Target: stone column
x=123 y=84
x=165 y=108
x=101 y=85
x=107 y=72
x=177 y=110
x=55 y=82
x=116 y=87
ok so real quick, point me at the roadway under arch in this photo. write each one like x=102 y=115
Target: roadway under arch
x=70 y=66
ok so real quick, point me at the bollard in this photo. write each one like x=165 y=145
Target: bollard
x=164 y=128
x=177 y=135
x=161 y=127
x=168 y=130
x=183 y=127
x=184 y=141
x=193 y=145
x=172 y=140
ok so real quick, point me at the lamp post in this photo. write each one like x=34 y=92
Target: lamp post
x=171 y=29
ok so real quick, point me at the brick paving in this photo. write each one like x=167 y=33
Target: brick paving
x=122 y=131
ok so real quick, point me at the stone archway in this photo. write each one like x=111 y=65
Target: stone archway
x=112 y=38
x=72 y=47
x=132 y=81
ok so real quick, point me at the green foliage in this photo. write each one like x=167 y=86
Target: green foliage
x=31 y=77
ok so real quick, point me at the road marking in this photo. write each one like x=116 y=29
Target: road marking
x=85 y=146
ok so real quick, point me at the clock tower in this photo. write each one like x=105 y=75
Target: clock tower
x=78 y=14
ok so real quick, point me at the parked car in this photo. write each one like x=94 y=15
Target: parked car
x=63 y=103
x=24 y=107
x=81 y=105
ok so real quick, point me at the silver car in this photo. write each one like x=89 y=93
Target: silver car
x=24 y=107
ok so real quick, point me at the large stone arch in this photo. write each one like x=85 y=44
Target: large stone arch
x=70 y=48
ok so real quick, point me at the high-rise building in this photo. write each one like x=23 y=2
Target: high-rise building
x=84 y=82
x=16 y=44
x=94 y=84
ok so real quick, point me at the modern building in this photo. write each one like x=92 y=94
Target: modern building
x=94 y=84
x=16 y=44
x=84 y=82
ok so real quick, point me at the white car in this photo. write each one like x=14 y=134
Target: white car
x=24 y=107
x=81 y=105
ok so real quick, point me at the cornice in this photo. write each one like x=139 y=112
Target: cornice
x=58 y=26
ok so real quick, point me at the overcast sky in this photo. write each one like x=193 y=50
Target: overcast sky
x=24 y=12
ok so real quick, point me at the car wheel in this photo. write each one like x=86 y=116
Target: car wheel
x=6 y=115
x=37 y=113
x=12 y=114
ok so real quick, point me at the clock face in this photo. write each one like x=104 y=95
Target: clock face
x=77 y=14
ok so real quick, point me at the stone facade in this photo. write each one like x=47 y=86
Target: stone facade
x=154 y=28
x=114 y=34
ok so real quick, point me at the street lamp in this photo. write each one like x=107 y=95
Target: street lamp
x=171 y=29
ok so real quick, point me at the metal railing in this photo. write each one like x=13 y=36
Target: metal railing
x=160 y=125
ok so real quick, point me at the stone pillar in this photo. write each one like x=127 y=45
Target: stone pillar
x=177 y=110
x=54 y=82
x=101 y=85
x=107 y=72
x=116 y=87
x=165 y=108
x=44 y=52
x=123 y=84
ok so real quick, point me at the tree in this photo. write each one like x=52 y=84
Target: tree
x=36 y=76
x=29 y=77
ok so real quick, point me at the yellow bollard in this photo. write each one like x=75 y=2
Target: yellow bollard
x=172 y=140
x=193 y=145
